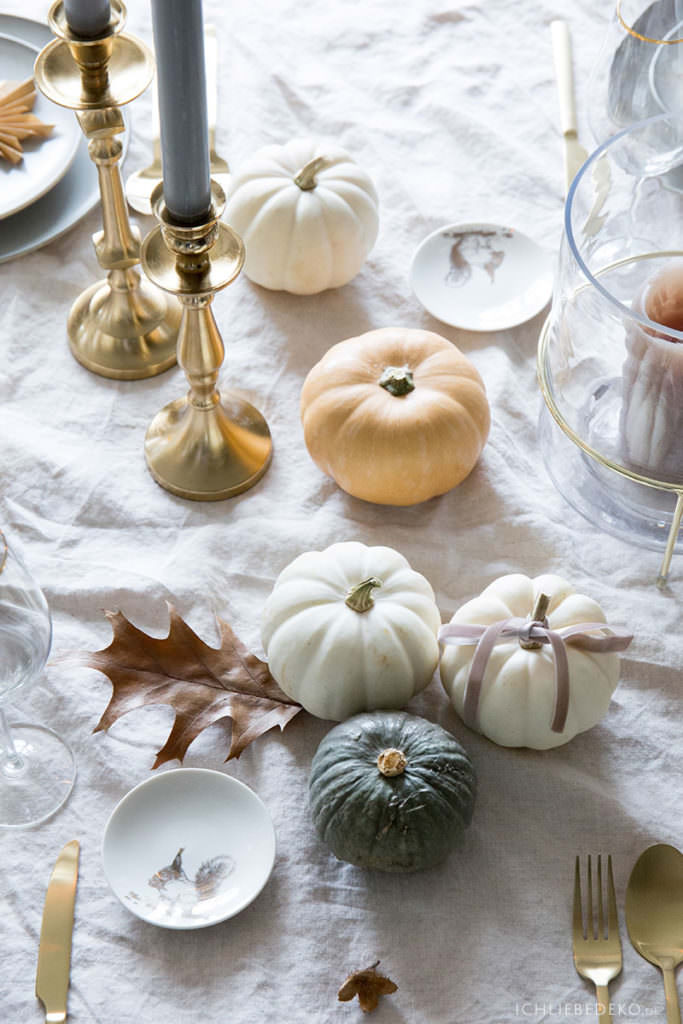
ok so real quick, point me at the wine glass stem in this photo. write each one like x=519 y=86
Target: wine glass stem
x=12 y=764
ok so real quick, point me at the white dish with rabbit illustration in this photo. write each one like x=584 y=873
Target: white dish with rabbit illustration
x=481 y=277
x=188 y=848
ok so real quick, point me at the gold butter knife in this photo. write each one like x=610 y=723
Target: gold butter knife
x=574 y=153
x=54 y=953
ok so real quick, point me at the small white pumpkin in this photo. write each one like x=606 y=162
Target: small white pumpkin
x=307 y=215
x=518 y=689
x=351 y=629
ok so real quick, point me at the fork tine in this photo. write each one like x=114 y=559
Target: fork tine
x=577 y=919
x=612 y=918
x=601 y=915
x=589 y=923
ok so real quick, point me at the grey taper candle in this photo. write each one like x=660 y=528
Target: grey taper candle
x=181 y=81
x=87 y=18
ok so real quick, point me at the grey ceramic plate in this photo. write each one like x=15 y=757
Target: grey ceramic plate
x=69 y=201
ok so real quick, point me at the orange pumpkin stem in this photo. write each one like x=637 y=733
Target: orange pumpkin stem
x=397 y=380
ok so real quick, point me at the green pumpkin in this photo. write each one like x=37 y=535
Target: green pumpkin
x=391 y=791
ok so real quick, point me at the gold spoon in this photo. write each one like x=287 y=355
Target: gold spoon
x=654 y=916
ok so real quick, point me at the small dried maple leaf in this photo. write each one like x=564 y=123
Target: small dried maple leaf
x=202 y=684
x=368 y=985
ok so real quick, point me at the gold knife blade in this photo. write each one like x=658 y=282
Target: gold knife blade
x=54 y=953
x=574 y=153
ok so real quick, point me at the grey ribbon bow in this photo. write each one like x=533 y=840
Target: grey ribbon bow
x=526 y=630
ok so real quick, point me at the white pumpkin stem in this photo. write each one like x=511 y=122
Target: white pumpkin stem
x=306 y=177
x=392 y=762
x=359 y=598
x=397 y=380
x=537 y=615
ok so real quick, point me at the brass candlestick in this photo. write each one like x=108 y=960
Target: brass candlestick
x=201 y=446
x=122 y=327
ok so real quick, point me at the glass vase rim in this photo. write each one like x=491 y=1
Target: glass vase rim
x=625 y=311
x=637 y=35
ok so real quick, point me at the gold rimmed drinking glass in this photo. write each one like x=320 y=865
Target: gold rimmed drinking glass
x=638 y=74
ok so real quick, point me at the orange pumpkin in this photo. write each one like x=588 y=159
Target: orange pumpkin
x=395 y=416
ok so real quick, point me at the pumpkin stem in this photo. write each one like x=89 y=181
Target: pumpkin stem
x=392 y=762
x=397 y=380
x=537 y=615
x=305 y=178
x=359 y=598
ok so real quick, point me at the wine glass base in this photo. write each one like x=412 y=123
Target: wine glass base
x=40 y=784
x=621 y=507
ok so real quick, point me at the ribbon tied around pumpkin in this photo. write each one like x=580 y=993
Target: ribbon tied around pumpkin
x=532 y=633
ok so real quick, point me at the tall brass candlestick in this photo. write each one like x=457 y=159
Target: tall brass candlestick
x=204 y=446
x=122 y=327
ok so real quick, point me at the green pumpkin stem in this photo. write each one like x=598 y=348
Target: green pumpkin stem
x=392 y=762
x=537 y=615
x=397 y=380
x=306 y=177
x=359 y=598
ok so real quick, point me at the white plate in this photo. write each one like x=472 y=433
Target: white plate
x=71 y=198
x=188 y=848
x=45 y=160
x=481 y=277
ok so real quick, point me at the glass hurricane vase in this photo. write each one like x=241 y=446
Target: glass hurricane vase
x=610 y=356
x=638 y=75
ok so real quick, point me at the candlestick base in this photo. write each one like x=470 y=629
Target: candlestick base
x=205 y=446
x=123 y=328
x=208 y=454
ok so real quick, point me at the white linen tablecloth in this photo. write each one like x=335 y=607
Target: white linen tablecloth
x=451 y=105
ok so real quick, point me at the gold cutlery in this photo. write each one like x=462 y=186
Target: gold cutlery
x=597 y=947
x=654 y=916
x=141 y=184
x=54 y=953
x=574 y=153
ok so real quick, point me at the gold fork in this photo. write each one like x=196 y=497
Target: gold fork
x=597 y=946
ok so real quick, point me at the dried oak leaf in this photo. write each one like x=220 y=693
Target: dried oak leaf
x=368 y=985
x=202 y=684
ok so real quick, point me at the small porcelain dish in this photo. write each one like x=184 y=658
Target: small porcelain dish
x=188 y=848
x=481 y=277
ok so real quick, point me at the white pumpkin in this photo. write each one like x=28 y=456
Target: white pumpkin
x=518 y=690
x=351 y=629
x=307 y=215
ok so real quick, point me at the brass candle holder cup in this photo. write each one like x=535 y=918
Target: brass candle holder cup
x=122 y=327
x=203 y=446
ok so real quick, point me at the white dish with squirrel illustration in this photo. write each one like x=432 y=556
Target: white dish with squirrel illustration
x=481 y=277
x=188 y=848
